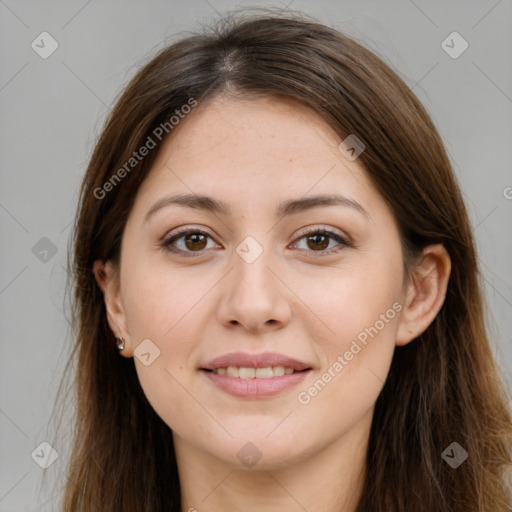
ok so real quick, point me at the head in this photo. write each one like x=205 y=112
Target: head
x=315 y=215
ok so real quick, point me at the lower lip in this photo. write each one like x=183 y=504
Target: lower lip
x=256 y=388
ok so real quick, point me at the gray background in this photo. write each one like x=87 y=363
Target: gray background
x=52 y=110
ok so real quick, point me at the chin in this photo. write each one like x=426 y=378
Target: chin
x=260 y=454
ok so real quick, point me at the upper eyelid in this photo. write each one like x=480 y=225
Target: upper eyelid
x=312 y=229
x=302 y=232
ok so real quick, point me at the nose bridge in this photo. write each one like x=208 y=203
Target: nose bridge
x=255 y=297
x=251 y=273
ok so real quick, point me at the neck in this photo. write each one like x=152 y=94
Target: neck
x=329 y=479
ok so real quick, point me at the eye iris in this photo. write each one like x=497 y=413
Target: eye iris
x=316 y=242
x=195 y=238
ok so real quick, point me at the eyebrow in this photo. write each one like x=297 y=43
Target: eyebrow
x=287 y=208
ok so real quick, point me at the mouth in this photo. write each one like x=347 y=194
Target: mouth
x=254 y=376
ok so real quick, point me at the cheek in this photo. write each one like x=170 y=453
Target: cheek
x=162 y=305
x=359 y=345
x=353 y=298
x=359 y=310
x=160 y=300
x=356 y=361
x=165 y=308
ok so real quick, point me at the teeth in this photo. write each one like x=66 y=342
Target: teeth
x=264 y=373
x=232 y=371
x=254 y=373
x=247 y=373
x=279 y=370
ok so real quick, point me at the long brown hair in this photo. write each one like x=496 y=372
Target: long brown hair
x=442 y=388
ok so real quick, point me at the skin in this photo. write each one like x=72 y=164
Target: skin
x=252 y=155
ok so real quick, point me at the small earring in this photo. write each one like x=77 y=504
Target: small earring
x=120 y=344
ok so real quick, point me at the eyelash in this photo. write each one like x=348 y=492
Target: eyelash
x=167 y=243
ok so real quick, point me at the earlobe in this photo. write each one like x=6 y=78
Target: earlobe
x=108 y=280
x=425 y=293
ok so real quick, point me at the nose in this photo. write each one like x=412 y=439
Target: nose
x=254 y=295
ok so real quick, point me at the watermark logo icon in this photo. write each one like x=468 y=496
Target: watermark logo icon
x=454 y=455
x=44 y=250
x=454 y=45
x=146 y=352
x=44 y=45
x=44 y=455
x=351 y=147
x=249 y=249
x=249 y=455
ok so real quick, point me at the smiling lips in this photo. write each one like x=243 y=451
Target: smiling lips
x=255 y=375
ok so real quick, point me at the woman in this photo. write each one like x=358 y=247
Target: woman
x=276 y=295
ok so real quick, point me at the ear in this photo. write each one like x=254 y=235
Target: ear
x=425 y=293
x=108 y=280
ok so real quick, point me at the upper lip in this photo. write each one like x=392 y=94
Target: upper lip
x=265 y=359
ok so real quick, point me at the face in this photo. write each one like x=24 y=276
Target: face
x=269 y=280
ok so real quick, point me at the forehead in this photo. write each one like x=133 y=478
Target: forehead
x=243 y=151
x=281 y=129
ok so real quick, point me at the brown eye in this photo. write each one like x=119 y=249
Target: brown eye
x=195 y=241
x=318 y=241
x=187 y=242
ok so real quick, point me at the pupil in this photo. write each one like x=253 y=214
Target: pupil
x=193 y=240
x=315 y=237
